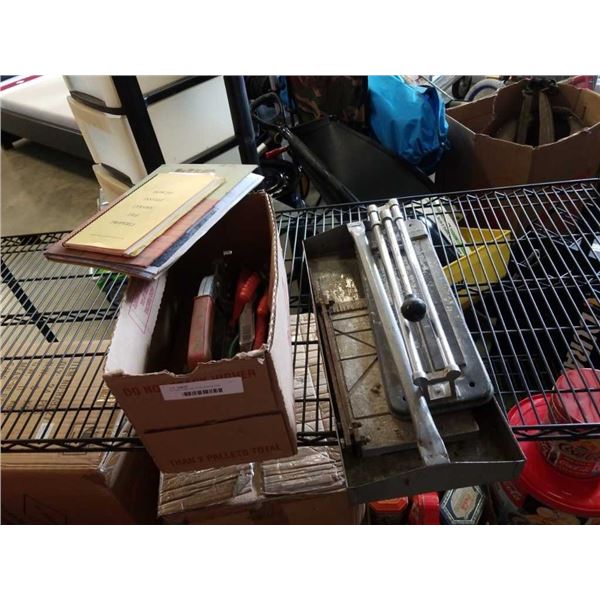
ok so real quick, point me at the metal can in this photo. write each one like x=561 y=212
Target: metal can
x=580 y=458
x=425 y=509
x=542 y=494
x=388 y=512
x=462 y=506
x=576 y=400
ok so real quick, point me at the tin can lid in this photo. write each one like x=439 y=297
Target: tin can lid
x=425 y=509
x=579 y=396
x=462 y=506
x=396 y=505
x=579 y=497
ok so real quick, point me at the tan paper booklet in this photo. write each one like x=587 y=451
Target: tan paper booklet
x=131 y=224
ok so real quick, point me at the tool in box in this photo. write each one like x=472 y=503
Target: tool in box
x=413 y=399
x=226 y=320
x=201 y=326
x=251 y=310
x=540 y=120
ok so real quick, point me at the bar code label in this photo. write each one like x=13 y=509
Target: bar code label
x=202 y=389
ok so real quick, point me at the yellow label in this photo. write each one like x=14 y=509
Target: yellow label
x=165 y=197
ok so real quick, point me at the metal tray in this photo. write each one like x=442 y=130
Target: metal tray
x=379 y=449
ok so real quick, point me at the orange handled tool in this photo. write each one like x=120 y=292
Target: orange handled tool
x=262 y=321
x=247 y=285
x=201 y=327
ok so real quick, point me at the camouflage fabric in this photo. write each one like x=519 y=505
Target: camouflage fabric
x=344 y=96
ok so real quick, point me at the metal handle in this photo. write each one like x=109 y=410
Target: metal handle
x=413 y=308
x=411 y=256
x=419 y=376
x=429 y=442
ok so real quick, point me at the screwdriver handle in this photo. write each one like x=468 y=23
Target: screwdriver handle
x=262 y=321
x=201 y=329
x=247 y=285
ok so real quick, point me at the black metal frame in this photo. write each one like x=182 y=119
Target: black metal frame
x=239 y=107
x=208 y=155
x=134 y=105
x=175 y=87
x=309 y=221
x=136 y=111
x=518 y=358
x=135 y=108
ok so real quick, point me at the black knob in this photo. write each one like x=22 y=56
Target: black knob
x=413 y=308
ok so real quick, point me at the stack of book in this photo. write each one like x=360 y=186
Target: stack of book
x=145 y=231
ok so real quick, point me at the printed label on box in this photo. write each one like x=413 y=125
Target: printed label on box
x=202 y=389
x=247 y=454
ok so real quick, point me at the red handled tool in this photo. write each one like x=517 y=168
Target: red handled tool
x=247 y=284
x=269 y=154
x=262 y=321
x=201 y=328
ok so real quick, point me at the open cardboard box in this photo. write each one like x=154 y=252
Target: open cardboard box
x=250 y=415
x=476 y=160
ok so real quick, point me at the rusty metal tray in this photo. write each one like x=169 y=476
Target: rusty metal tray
x=379 y=448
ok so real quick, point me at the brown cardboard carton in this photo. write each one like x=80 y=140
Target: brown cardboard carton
x=308 y=488
x=331 y=508
x=78 y=488
x=476 y=160
x=46 y=400
x=248 y=413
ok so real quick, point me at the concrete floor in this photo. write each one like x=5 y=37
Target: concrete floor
x=44 y=190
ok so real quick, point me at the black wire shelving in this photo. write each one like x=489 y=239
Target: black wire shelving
x=530 y=290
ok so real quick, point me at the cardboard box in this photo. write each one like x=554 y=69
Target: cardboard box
x=253 y=508
x=112 y=488
x=477 y=160
x=56 y=397
x=249 y=416
x=307 y=489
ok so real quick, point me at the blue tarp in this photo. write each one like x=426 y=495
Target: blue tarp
x=408 y=120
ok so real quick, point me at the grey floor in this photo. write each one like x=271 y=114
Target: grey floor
x=44 y=190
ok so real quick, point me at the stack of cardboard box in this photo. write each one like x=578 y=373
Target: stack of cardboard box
x=308 y=488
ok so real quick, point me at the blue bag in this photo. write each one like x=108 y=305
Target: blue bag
x=408 y=120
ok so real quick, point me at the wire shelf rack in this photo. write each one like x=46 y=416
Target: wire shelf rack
x=529 y=285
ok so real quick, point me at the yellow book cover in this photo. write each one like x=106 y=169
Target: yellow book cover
x=143 y=215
